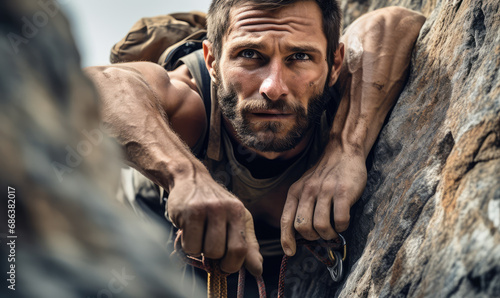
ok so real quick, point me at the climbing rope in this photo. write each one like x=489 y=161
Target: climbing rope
x=217 y=279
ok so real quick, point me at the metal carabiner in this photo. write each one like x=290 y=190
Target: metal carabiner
x=337 y=269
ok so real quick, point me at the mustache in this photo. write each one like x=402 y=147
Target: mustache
x=251 y=105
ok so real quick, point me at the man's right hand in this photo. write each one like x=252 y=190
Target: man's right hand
x=147 y=112
x=214 y=223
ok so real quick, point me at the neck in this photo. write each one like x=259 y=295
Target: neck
x=289 y=154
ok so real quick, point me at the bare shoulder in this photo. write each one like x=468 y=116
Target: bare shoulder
x=174 y=93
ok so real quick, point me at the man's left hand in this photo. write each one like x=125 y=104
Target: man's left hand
x=327 y=191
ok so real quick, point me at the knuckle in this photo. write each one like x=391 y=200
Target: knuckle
x=212 y=206
x=342 y=224
x=328 y=186
x=173 y=210
x=194 y=214
x=322 y=228
x=305 y=228
x=341 y=217
x=239 y=250
x=310 y=189
x=346 y=194
x=229 y=268
x=295 y=188
x=285 y=220
x=236 y=208
x=302 y=227
x=194 y=207
x=214 y=254
x=189 y=250
x=342 y=188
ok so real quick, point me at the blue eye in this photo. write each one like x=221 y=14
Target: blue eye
x=300 y=56
x=249 y=54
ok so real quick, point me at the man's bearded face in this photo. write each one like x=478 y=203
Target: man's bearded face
x=270 y=136
x=272 y=75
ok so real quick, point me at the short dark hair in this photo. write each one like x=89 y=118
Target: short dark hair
x=218 y=21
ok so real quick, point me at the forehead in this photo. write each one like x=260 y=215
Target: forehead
x=300 y=22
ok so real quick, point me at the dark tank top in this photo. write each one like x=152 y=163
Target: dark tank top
x=217 y=152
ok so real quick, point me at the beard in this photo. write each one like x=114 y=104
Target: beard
x=270 y=136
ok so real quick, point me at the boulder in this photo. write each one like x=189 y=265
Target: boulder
x=352 y=9
x=428 y=223
x=65 y=236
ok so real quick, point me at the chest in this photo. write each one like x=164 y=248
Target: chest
x=264 y=198
x=267 y=206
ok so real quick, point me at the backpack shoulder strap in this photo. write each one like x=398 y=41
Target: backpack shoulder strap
x=170 y=57
x=196 y=65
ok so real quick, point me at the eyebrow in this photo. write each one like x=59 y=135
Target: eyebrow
x=247 y=45
x=307 y=49
x=259 y=46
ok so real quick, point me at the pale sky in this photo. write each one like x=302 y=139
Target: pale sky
x=98 y=24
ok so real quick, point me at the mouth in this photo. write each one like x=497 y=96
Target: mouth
x=271 y=114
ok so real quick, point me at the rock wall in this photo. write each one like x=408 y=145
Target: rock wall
x=428 y=223
x=353 y=9
x=59 y=169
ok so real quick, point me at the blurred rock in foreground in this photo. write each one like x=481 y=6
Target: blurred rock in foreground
x=72 y=239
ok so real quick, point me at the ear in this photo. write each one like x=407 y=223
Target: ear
x=209 y=57
x=337 y=64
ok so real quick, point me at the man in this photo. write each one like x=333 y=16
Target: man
x=269 y=140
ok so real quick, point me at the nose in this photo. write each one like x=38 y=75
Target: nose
x=274 y=86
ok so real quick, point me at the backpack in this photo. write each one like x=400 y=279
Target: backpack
x=162 y=39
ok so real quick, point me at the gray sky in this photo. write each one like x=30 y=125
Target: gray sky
x=98 y=24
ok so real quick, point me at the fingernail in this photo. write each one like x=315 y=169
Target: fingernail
x=287 y=251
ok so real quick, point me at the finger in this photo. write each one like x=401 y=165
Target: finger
x=341 y=214
x=192 y=235
x=236 y=243
x=304 y=217
x=253 y=260
x=287 y=228
x=214 y=245
x=321 y=220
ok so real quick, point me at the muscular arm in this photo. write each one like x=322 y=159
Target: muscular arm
x=142 y=119
x=153 y=116
x=378 y=49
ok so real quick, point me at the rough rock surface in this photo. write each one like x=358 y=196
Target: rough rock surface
x=352 y=9
x=428 y=223
x=72 y=239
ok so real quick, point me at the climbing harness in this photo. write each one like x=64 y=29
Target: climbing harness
x=336 y=251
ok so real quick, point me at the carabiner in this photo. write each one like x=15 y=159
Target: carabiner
x=337 y=269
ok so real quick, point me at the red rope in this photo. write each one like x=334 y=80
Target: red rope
x=261 y=286
x=281 y=283
x=241 y=283
x=220 y=290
